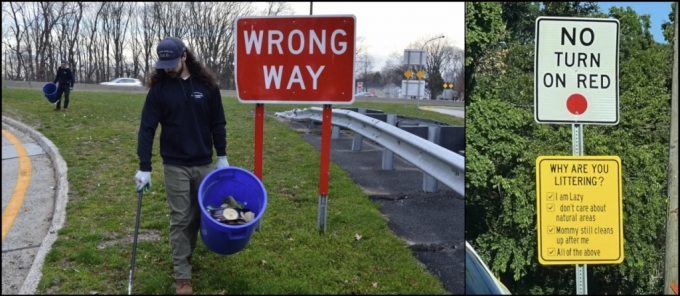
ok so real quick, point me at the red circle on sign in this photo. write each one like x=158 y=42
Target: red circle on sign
x=577 y=104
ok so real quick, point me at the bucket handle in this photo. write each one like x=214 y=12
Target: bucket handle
x=227 y=174
x=238 y=235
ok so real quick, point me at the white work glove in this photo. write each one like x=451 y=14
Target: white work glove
x=143 y=180
x=221 y=162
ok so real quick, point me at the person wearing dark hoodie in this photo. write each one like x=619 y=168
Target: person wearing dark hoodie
x=66 y=81
x=185 y=99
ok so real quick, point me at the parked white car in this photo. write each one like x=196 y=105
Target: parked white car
x=124 y=82
x=479 y=280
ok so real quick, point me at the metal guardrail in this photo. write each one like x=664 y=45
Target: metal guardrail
x=439 y=163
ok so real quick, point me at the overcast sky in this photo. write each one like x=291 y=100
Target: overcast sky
x=388 y=27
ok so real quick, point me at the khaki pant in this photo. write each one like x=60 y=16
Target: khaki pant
x=181 y=186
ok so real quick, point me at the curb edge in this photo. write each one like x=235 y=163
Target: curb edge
x=30 y=284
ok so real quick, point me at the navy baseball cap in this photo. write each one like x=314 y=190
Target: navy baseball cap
x=169 y=52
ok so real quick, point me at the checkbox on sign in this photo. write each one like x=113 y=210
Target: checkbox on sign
x=551 y=196
x=551 y=207
x=551 y=251
x=551 y=229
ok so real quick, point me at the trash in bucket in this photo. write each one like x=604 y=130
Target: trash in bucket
x=235 y=190
x=50 y=92
x=231 y=212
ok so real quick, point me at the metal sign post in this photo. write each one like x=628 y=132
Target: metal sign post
x=406 y=90
x=578 y=94
x=420 y=58
x=411 y=59
x=577 y=150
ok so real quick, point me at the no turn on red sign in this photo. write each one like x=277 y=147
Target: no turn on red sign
x=295 y=59
x=576 y=71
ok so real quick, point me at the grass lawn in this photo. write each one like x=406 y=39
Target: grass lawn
x=97 y=138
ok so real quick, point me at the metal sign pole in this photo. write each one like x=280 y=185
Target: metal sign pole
x=581 y=270
x=408 y=81
x=420 y=62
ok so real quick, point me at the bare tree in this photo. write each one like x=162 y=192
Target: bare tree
x=171 y=19
x=89 y=44
x=70 y=29
x=103 y=40
x=30 y=17
x=438 y=57
x=149 y=32
x=360 y=46
x=365 y=63
x=115 y=26
x=277 y=8
x=14 y=10
x=212 y=39
x=456 y=66
x=393 y=71
x=136 y=44
x=48 y=15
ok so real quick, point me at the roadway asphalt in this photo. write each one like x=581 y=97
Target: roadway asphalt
x=453 y=111
x=431 y=223
x=32 y=192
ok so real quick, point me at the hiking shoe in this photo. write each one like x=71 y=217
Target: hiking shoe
x=57 y=109
x=183 y=287
x=65 y=109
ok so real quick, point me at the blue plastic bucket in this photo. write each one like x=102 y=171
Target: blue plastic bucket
x=247 y=189
x=50 y=92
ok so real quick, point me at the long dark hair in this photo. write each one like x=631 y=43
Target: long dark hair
x=196 y=69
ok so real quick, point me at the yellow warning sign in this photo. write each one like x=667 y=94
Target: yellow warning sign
x=579 y=208
x=446 y=85
x=420 y=74
x=451 y=85
x=408 y=74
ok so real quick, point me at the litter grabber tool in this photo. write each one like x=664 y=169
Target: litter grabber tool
x=134 y=241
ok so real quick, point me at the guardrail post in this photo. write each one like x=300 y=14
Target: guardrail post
x=388 y=156
x=430 y=184
x=358 y=138
x=336 y=132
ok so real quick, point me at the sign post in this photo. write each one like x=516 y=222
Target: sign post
x=296 y=60
x=413 y=57
x=408 y=74
x=420 y=76
x=576 y=82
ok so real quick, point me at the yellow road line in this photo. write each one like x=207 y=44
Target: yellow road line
x=24 y=178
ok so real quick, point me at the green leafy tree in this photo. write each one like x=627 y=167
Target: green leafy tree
x=483 y=26
x=520 y=19
x=668 y=27
x=503 y=142
x=668 y=33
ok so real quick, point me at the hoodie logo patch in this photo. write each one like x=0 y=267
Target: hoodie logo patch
x=197 y=95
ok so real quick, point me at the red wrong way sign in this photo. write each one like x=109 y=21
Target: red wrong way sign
x=295 y=59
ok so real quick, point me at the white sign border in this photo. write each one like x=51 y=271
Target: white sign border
x=354 y=60
x=618 y=97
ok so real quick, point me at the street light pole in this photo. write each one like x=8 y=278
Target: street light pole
x=420 y=66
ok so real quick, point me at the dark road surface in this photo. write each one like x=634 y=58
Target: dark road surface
x=432 y=223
